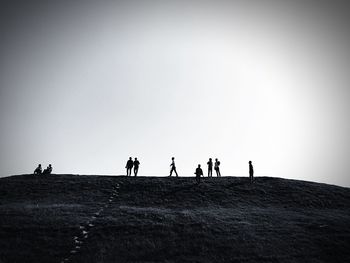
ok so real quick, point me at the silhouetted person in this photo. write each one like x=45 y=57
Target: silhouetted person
x=173 y=167
x=38 y=170
x=129 y=166
x=198 y=173
x=210 y=168
x=136 y=166
x=217 y=168
x=251 y=172
x=48 y=170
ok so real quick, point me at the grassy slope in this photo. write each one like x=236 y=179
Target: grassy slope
x=173 y=220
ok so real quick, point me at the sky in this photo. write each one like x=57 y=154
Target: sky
x=84 y=85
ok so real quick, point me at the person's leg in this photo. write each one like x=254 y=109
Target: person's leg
x=176 y=172
x=136 y=170
x=171 y=171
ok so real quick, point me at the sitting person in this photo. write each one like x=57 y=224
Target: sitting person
x=48 y=170
x=38 y=170
x=198 y=173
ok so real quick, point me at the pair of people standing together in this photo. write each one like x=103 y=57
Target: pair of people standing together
x=216 y=167
x=130 y=164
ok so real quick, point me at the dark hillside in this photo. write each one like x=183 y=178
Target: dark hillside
x=67 y=218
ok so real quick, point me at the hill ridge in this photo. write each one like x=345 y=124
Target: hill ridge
x=172 y=219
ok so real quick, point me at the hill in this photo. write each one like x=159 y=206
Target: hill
x=70 y=218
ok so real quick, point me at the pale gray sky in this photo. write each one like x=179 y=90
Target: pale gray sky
x=86 y=84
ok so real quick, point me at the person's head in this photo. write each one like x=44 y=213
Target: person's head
x=250 y=162
x=135 y=159
x=199 y=166
x=209 y=159
x=50 y=165
x=216 y=159
x=130 y=158
x=39 y=165
x=172 y=158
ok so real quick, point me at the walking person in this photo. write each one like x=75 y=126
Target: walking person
x=198 y=173
x=136 y=166
x=210 y=168
x=129 y=166
x=173 y=167
x=217 y=168
x=251 y=172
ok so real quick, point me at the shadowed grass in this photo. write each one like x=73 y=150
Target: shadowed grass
x=173 y=220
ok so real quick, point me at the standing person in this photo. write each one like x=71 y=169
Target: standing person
x=136 y=166
x=210 y=168
x=198 y=173
x=251 y=171
x=129 y=166
x=173 y=167
x=217 y=168
x=38 y=170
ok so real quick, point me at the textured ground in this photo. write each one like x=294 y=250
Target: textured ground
x=117 y=219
